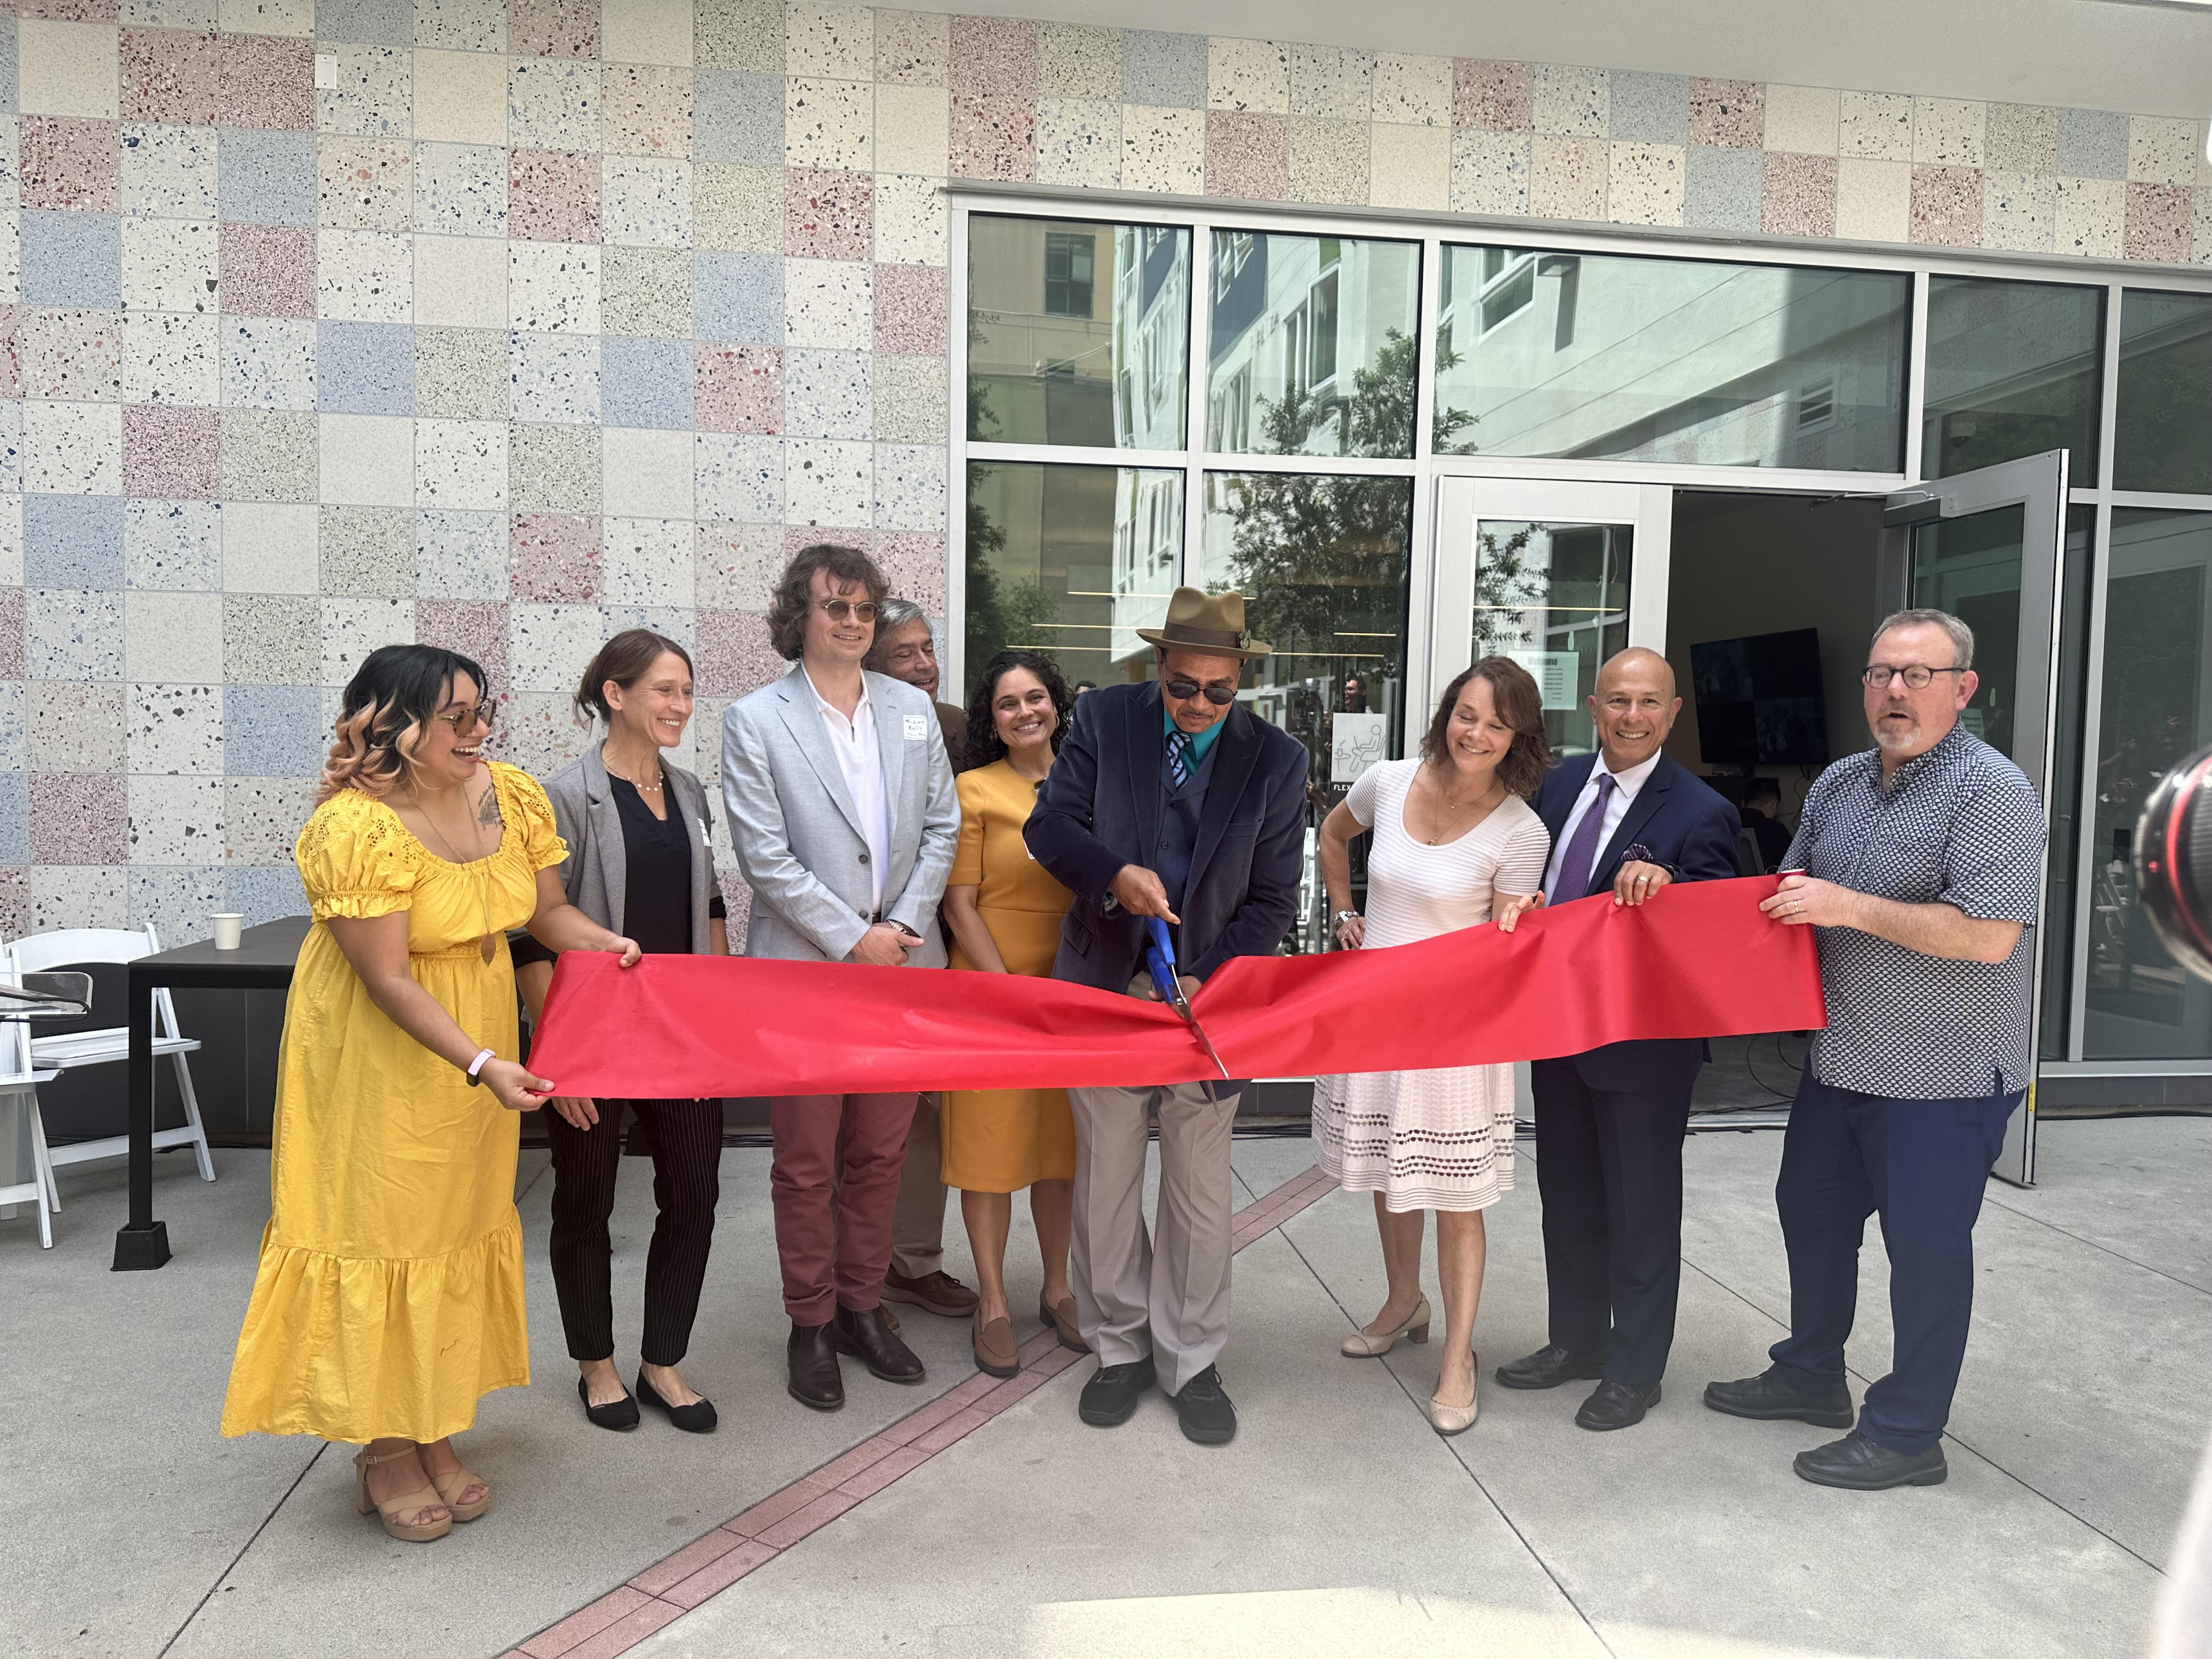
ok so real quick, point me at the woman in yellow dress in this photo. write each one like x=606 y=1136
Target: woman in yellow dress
x=1005 y=911
x=388 y=1298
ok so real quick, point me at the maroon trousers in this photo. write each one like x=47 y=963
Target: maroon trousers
x=834 y=1180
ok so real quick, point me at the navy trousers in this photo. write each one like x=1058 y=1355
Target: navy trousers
x=1922 y=1166
x=1609 y=1168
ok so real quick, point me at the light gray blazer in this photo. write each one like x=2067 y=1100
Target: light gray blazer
x=596 y=876
x=797 y=831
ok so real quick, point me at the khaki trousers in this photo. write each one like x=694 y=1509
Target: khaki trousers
x=1165 y=1292
x=918 y=1219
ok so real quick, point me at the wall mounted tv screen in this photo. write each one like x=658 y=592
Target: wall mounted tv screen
x=1758 y=700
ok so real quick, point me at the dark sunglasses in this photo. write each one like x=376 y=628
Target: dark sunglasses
x=1220 y=696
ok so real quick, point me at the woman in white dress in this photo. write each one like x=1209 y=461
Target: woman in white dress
x=1456 y=843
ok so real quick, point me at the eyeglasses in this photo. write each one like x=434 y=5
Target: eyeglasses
x=1220 y=696
x=839 y=610
x=1916 y=676
x=463 y=720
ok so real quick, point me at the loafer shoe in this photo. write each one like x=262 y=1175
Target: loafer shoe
x=1549 y=1367
x=816 y=1380
x=1769 y=1399
x=1060 y=1317
x=1110 y=1396
x=1204 y=1409
x=1856 y=1463
x=939 y=1292
x=997 y=1353
x=863 y=1333
x=620 y=1414
x=697 y=1418
x=1617 y=1406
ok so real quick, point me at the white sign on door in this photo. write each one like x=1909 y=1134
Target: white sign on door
x=1355 y=743
x=1557 y=674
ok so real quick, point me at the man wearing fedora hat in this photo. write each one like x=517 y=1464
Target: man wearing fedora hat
x=1167 y=799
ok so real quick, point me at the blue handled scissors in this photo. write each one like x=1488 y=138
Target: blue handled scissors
x=1160 y=957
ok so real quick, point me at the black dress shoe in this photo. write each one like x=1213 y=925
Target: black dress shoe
x=697 y=1418
x=816 y=1380
x=867 y=1336
x=615 y=1414
x=1856 y=1464
x=1549 y=1367
x=1204 y=1408
x=1111 y=1394
x=1617 y=1406
x=1769 y=1399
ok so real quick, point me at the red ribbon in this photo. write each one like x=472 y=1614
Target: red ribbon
x=1698 y=960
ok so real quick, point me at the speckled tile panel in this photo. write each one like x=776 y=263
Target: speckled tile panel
x=828 y=123
x=553 y=469
x=645 y=201
x=1803 y=120
x=1567 y=177
x=645 y=291
x=1248 y=77
x=73 y=542
x=460 y=190
x=366 y=552
x=2019 y=211
x=1163 y=70
x=267 y=178
x=737 y=117
x=267 y=82
x=2159 y=223
x=1327 y=161
x=1332 y=84
x=1569 y=102
x=551 y=105
x=1163 y=149
x=460 y=373
x=739 y=34
x=170 y=75
x=1727 y=114
x=553 y=196
x=829 y=215
x=1798 y=195
x=1946 y=206
x=1876 y=126
x=1078 y=142
x=741 y=209
x=1410 y=167
x=2163 y=150
x=2092 y=143
x=170 y=452
x=993 y=55
x=2021 y=138
x=832 y=40
x=912 y=48
x=1948 y=131
x=168 y=171
x=1722 y=189
x=366 y=183
x=269 y=455
x=553 y=28
x=70 y=354
x=647 y=110
x=1490 y=172
x=1644 y=184
x=1078 y=60
x=70 y=164
x=1874 y=199
x=1647 y=108
x=910 y=308
x=1247 y=155
x=268 y=271
x=910 y=398
x=553 y=377
x=993 y=136
x=1498 y=97
x=79 y=819
x=555 y=558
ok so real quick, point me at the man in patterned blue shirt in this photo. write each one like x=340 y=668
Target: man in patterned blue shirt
x=1920 y=862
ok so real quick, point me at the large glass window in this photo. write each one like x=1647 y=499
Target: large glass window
x=2163 y=438
x=1969 y=567
x=2011 y=371
x=1312 y=345
x=1070 y=561
x=1554 y=598
x=1076 y=333
x=2157 y=711
x=1594 y=356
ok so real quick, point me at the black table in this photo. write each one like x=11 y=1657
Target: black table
x=264 y=961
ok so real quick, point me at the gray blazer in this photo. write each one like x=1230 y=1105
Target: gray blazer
x=797 y=831
x=596 y=875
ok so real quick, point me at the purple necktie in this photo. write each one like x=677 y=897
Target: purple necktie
x=1576 y=863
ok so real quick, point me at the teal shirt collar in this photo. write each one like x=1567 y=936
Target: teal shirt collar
x=1199 y=744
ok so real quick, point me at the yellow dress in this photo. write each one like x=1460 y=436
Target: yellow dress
x=1000 y=1140
x=389 y=1294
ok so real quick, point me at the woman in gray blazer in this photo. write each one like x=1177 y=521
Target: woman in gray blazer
x=640 y=852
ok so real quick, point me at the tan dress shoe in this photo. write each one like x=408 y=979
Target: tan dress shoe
x=1059 y=1316
x=1456 y=1419
x=1414 y=1328
x=996 y=1351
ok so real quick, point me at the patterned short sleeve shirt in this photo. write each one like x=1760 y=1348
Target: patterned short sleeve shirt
x=1958 y=825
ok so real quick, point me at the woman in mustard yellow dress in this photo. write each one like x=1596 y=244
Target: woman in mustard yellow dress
x=388 y=1298
x=1005 y=911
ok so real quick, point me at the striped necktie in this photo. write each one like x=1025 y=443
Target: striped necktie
x=1178 y=762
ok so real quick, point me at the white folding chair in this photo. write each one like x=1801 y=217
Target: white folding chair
x=79 y=947
x=17 y=1080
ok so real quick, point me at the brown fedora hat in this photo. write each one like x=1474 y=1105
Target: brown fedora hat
x=1210 y=623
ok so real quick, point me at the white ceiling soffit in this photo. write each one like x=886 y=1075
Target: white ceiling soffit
x=2146 y=58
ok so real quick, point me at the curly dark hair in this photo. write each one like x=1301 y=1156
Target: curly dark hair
x=984 y=744
x=1519 y=704
x=385 y=711
x=786 y=611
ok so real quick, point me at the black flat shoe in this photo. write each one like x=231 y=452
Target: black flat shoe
x=864 y=1334
x=1617 y=1406
x=620 y=1414
x=1204 y=1409
x=1111 y=1395
x=1549 y=1367
x=810 y=1357
x=1857 y=1464
x=697 y=1418
x=1767 y=1398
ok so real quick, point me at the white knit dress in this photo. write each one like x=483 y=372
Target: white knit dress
x=1436 y=1140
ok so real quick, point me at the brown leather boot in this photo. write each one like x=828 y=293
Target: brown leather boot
x=862 y=1333
x=816 y=1378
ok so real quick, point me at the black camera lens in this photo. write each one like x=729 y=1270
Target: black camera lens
x=2173 y=862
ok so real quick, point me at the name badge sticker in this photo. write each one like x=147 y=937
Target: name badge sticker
x=917 y=727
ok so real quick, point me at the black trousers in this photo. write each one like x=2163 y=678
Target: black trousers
x=685 y=1137
x=1609 y=1167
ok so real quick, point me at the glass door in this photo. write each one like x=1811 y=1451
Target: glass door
x=1556 y=575
x=1987 y=546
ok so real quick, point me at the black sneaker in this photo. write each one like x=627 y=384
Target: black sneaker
x=1768 y=1398
x=1203 y=1406
x=1110 y=1396
x=1857 y=1464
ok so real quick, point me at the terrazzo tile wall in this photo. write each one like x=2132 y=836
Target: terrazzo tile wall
x=502 y=326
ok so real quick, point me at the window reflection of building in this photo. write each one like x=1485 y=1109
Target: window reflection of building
x=1554 y=598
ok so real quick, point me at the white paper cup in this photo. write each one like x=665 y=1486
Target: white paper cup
x=227 y=929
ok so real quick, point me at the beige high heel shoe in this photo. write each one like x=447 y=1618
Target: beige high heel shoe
x=409 y=1503
x=1414 y=1328
x=449 y=1486
x=1456 y=1419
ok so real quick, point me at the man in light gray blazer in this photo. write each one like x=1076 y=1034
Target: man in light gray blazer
x=844 y=818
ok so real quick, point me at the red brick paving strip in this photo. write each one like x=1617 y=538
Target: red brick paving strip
x=668 y=1590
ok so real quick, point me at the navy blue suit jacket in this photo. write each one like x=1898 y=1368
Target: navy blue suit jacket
x=1679 y=820
x=1099 y=810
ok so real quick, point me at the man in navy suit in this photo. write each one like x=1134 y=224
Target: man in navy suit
x=1610 y=1123
x=1169 y=799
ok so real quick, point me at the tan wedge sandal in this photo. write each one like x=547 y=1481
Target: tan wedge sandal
x=411 y=1503
x=449 y=1486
